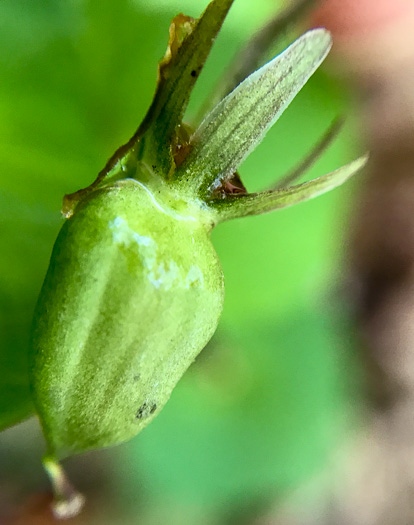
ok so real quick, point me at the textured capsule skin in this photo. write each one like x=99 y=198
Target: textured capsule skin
x=133 y=293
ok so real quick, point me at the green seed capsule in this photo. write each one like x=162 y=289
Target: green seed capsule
x=133 y=293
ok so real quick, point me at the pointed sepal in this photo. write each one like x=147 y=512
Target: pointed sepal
x=306 y=163
x=241 y=205
x=188 y=48
x=257 y=49
x=240 y=121
x=159 y=134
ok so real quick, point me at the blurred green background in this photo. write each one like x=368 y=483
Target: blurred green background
x=276 y=392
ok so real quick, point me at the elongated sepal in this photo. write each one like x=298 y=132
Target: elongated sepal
x=157 y=136
x=67 y=501
x=189 y=45
x=257 y=49
x=323 y=143
x=241 y=205
x=240 y=121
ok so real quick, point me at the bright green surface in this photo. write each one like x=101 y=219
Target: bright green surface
x=264 y=407
x=133 y=293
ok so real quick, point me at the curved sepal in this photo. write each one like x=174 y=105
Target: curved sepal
x=189 y=45
x=306 y=163
x=241 y=205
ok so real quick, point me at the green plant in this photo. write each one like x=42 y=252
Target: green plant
x=134 y=289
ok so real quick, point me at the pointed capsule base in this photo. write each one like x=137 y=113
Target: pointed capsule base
x=67 y=501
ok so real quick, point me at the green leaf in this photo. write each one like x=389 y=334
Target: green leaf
x=15 y=397
x=240 y=121
x=15 y=401
x=263 y=202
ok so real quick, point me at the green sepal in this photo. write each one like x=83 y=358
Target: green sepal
x=256 y=51
x=157 y=136
x=240 y=121
x=178 y=73
x=241 y=205
x=306 y=163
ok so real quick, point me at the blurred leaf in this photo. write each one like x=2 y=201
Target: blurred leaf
x=15 y=401
x=317 y=151
x=275 y=430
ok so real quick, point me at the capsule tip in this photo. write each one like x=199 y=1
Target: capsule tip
x=68 y=502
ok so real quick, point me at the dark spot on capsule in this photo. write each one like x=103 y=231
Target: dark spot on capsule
x=137 y=377
x=145 y=410
x=154 y=167
x=193 y=73
x=141 y=411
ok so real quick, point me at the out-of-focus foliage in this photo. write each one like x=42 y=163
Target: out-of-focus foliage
x=267 y=401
